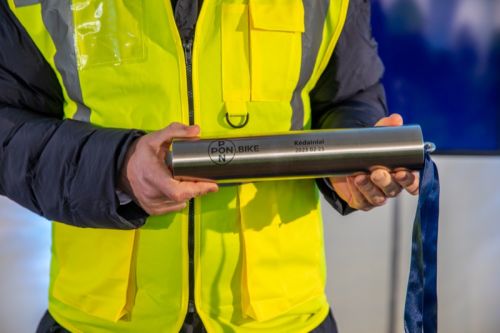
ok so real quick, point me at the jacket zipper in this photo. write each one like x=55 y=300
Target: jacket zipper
x=188 y=55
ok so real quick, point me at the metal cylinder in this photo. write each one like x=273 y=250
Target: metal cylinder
x=304 y=154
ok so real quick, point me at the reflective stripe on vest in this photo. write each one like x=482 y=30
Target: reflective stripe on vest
x=120 y=69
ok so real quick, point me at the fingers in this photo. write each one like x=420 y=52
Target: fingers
x=357 y=198
x=158 y=200
x=371 y=193
x=175 y=130
x=148 y=179
x=165 y=208
x=381 y=184
x=393 y=120
x=408 y=180
x=365 y=192
x=180 y=191
x=166 y=194
x=385 y=182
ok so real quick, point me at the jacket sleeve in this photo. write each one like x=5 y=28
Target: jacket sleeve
x=349 y=93
x=61 y=169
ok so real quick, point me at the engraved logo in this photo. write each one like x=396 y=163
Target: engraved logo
x=221 y=152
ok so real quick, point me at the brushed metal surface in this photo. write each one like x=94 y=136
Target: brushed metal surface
x=301 y=154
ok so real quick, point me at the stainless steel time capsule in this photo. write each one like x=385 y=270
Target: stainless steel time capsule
x=304 y=154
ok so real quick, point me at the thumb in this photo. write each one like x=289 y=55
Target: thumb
x=393 y=120
x=177 y=130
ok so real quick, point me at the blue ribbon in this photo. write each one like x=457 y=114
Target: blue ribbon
x=421 y=295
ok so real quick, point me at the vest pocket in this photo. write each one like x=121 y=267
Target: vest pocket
x=108 y=32
x=261 y=52
x=275 y=48
x=93 y=270
x=282 y=247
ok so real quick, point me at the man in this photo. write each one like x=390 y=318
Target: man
x=138 y=251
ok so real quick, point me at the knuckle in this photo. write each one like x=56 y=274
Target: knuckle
x=367 y=187
x=175 y=196
x=410 y=177
x=179 y=196
x=149 y=193
x=185 y=196
x=363 y=187
x=405 y=183
x=150 y=174
x=361 y=181
x=174 y=124
x=201 y=191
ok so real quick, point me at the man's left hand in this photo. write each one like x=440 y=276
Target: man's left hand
x=366 y=191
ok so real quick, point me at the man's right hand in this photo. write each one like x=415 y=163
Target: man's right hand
x=146 y=178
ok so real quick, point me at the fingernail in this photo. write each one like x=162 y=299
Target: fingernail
x=378 y=176
x=379 y=200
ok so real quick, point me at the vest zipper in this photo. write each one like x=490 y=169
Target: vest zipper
x=192 y=315
x=188 y=54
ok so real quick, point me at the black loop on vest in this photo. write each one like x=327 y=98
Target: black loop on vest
x=241 y=125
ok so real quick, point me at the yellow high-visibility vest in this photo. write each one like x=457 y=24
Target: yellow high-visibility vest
x=258 y=257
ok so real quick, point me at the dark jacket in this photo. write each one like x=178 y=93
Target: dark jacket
x=67 y=170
